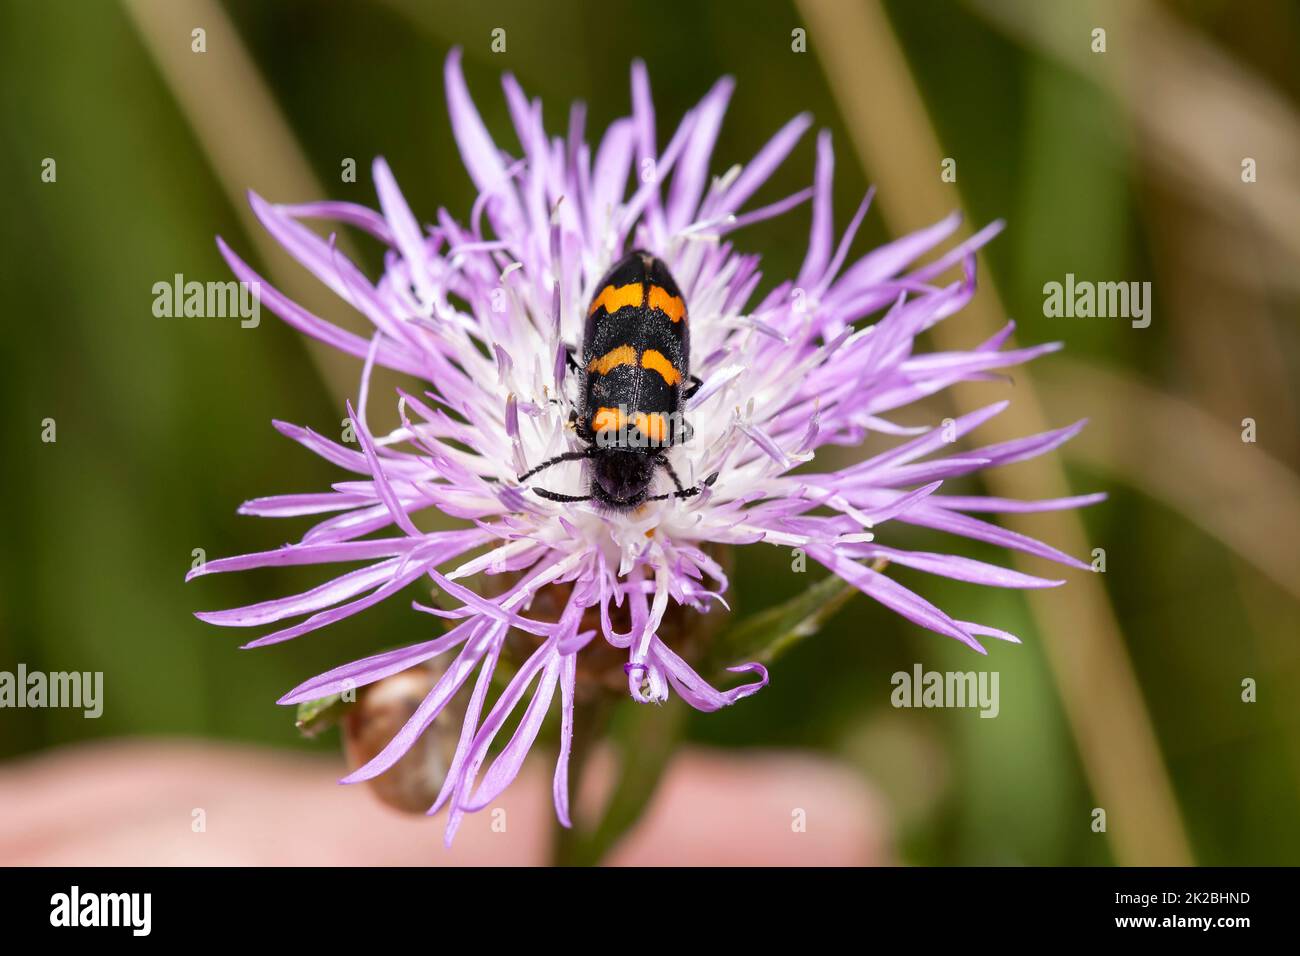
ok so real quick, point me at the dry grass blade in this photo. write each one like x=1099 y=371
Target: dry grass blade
x=897 y=145
x=248 y=143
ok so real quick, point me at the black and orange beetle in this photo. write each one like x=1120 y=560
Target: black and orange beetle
x=636 y=351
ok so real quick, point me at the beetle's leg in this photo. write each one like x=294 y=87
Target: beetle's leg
x=694 y=387
x=572 y=362
x=569 y=357
x=584 y=433
x=662 y=461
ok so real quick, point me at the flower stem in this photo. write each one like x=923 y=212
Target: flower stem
x=644 y=737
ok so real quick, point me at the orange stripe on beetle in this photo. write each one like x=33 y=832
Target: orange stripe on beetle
x=608 y=420
x=671 y=305
x=654 y=426
x=657 y=361
x=614 y=299
x=623 y=355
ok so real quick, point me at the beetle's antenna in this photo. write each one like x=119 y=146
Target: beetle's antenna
x=567 y=456
x=556 y=496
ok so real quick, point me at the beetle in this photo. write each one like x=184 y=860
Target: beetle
x=636 y=348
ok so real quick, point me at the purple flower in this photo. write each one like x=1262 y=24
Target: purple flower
x=482 y=310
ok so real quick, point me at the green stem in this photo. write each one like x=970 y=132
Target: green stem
x=645 y=736
x=589 y=722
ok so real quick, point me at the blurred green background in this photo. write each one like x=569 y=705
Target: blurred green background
x=1122 y=166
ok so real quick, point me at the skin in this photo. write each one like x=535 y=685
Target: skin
x=131 y=802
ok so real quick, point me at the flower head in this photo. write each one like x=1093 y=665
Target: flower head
x=483 y=311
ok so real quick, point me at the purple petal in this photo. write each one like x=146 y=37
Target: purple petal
x=1013 y=506
x=502 y=771
x=963 y=569
x=927 y=515
x=890 y=259
x=698 y=692
x=292 y=554
x=370 y=669
x=362 y=217
x=560 y=784
x=313 y=325
x=820 y=238
x=406 y=230
x=693 y=170
x=761 y=167
x=450 y=682
x=400 y=517
x=480 y=155
x=985 y=631
x=894 y=596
